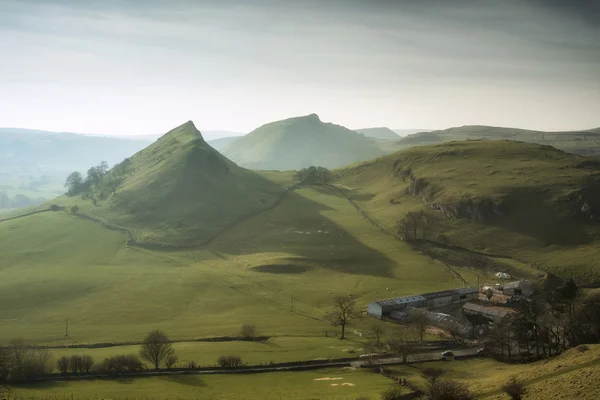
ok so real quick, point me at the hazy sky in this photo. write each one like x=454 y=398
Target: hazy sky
x=143 y=67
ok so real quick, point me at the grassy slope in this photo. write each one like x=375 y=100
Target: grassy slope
x=529 y=183
x=247 y=274
x=180 y=190
x=300 y=142
x=586 y=143
x=268 y=386
x=568 y=376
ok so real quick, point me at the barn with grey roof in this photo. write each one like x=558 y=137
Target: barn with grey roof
x=383 y=308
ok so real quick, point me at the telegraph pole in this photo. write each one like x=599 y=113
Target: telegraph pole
x=67 y=327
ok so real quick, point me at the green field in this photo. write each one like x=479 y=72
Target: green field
x=334 y=384
x=275 y=350
x=73 y=268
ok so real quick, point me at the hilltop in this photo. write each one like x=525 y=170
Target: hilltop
x=585 y=143
x=523 y=201
x=300 y=142
x=179 y=191
x=382 y=133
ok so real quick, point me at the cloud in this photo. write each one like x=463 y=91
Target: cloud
x=389 y=49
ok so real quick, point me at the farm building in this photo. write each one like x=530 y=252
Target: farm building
x=524 y=288
x=479 y=324
x=383 y=308
x=491 y=313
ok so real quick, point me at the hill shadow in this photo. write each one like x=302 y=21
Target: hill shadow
x=298 y=226
x=528 y=213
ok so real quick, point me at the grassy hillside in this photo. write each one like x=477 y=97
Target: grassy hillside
x=300 y=142
x=585 y=143
x=379 y=133
x=181 y=191
x=312 y=246
x=571 y=375
x=533 y=203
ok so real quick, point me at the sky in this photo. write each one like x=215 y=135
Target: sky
x=127 y=67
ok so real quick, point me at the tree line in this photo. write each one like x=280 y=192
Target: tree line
x=314 y=176
x=21 y=362
x=99 y=183
x=558 y=318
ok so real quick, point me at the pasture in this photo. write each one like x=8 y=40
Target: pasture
x=310 y=248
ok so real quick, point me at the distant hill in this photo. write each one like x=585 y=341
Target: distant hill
x=180 y=191
x=379 y=133
x=220 y=144
x=585 y=143
x=58 y=151
x=300 y=142
x=404 y=132
x=533 y=203
x=35 y=163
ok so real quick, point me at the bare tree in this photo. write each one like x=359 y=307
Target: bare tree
x=514 y=389
x=343 y=312
x=432 y=375
x=87 y=362
x=171 y=361
x=377 y=330
x=402 y=342
x=249 y=331
x=6 y=364
x=450 y=390
x=454 y=330
x=418 y=319
x=156 y=348
x=28 y=362
x=75 y=364
x=63 y=364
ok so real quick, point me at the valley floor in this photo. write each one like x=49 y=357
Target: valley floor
x=568 y=376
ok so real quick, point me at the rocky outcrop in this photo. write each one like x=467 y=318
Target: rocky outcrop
x=480 y=210
x=477 y=210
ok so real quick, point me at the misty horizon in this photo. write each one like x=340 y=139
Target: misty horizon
x=127 y=68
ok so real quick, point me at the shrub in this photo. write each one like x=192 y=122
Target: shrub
x=121 y=363
x=582 y=348
x=170 y=361
x=230 y=362
x=394 y=393
x=450 y=390
x=54 y=207
x=514 y=389
x=248 y=331
x=192 y=365
x=75 y=209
